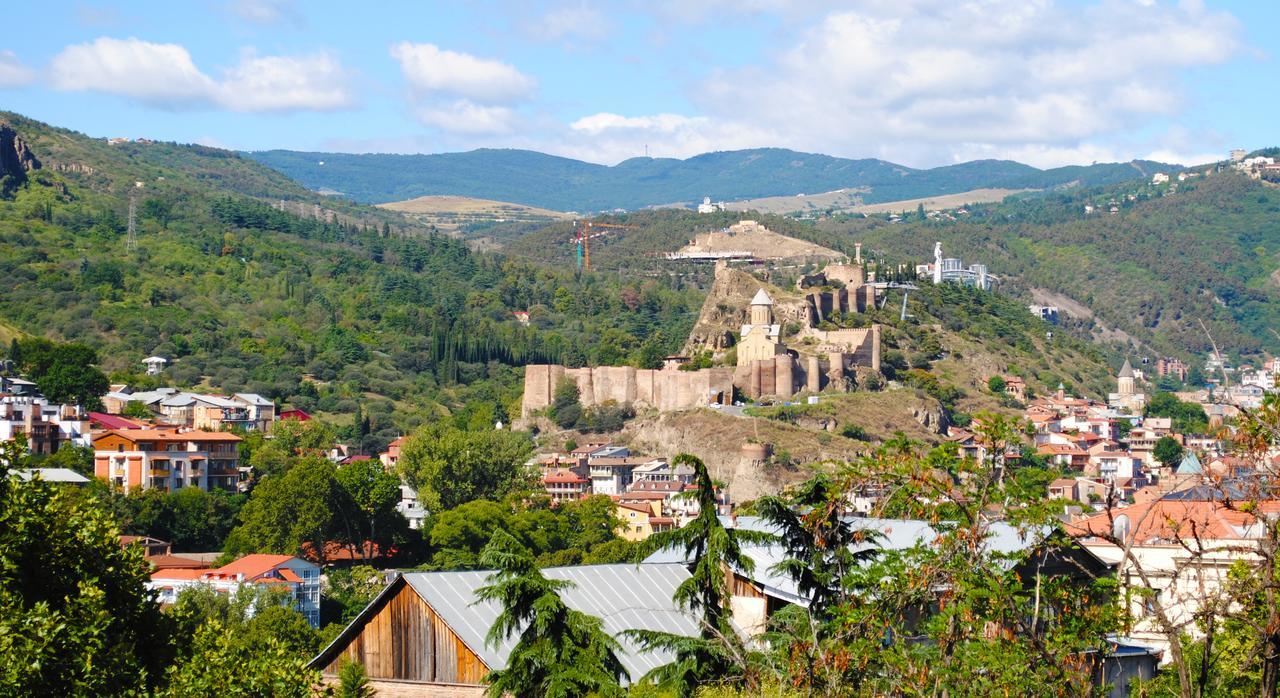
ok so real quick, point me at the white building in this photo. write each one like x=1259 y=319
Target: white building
x=155 y=365
x=952 y=270
x=1159 y=178
x=299 y=577
x=46 y=426
x=707 y=207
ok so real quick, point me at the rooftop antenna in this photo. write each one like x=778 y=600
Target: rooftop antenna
x=131 y=240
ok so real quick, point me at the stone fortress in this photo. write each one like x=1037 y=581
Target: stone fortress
x=768 y=364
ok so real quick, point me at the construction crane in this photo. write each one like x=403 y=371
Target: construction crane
x=582 y=236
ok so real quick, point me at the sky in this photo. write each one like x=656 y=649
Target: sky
x=917 y=82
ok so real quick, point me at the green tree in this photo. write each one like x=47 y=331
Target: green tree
x=448 y=466
x=996 y=384
x=75 y=615
x=560 y=652
x=1168 y=451
x=353 y=681
x=348 y=591
x=710 y=548
x=370 y=497
x=566 y=409
x=223 y=665
x=289 y=511
x=1187 y=417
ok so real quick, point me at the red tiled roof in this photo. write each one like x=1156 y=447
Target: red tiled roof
x=299 y=415
x=177 y=574
x=173 y=562
x=253 y=565
x=159 y=435
x=103 y=420
x=1170 y=520
x=563 y=475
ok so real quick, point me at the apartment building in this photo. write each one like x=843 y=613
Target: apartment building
x=167 y=459
x=47 y=427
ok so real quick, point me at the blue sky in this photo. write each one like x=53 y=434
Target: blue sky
x=920 y=82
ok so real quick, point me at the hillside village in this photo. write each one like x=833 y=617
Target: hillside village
x=304 y=424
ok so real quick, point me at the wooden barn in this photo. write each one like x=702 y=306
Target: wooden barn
x=424 y=635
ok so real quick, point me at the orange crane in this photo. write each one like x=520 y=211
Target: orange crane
x=582 y=236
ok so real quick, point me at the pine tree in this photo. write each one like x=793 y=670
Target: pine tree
x=711 y=550
x=560 y=653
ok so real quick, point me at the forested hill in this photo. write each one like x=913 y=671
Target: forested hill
x=1207 y=249
x=563 y=184
x=332 y=313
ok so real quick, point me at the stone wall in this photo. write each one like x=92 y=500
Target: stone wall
x=662 y=389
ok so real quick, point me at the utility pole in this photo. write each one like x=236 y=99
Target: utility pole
x=131 y=240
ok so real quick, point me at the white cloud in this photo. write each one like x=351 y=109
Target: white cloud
x=283 y=83
x=934 y=78
x=156 y=74
x=580 y=21
x=267 y=11
x=165 y=75
x=12 y=72
x=431 y=69
x=468 y=118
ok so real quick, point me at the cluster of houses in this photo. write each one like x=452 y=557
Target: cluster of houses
x=646 y=491
x=172 y=573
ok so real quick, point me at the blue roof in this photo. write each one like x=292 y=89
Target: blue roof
x=1190 y=465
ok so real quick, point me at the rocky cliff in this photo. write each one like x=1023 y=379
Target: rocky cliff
x=16 y=159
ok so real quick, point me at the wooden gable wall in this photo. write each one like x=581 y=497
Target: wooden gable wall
x=406 y=640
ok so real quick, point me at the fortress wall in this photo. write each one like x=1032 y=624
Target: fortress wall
x=642 y=388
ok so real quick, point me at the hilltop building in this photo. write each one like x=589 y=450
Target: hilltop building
x=952 y=270
x=155 y=365
x=765 y=365
x=707 y=207
x=760 y=339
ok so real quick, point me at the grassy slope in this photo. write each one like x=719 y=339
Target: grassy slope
x=406 y=317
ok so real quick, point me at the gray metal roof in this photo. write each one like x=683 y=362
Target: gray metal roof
x=52 y=475
x=896 y=534
x=624 y=597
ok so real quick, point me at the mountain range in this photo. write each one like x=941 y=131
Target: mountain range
x=548 y=181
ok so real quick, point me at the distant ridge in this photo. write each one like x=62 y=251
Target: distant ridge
x=563 y=184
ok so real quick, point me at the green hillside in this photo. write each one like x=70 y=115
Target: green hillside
x=327 y=313
x=563 y=184
x=1206 y=250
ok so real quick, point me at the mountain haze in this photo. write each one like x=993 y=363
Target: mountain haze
x=548 y=181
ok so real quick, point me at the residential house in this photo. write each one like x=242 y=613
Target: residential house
x=167 y=459
x=565 y=485
x=18 y=387
x=47 y=427
x=391 y=456
x=612 y=475
x=65 y=476
x=426 y=633
x=1185 y=548
x=641 y=518
x=299 y=577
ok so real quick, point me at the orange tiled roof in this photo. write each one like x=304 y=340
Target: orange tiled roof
x=253 y=565
x=1166 y=520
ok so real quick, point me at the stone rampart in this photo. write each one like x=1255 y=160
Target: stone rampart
x=662 y=389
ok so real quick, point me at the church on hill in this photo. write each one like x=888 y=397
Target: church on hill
x=761 y=339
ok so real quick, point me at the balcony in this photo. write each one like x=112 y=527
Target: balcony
x=157 y=473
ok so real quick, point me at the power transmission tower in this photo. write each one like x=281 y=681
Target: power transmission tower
x=131 y=241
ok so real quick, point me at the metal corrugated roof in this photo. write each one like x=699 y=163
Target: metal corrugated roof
x=896 y=534
x=624 y=597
